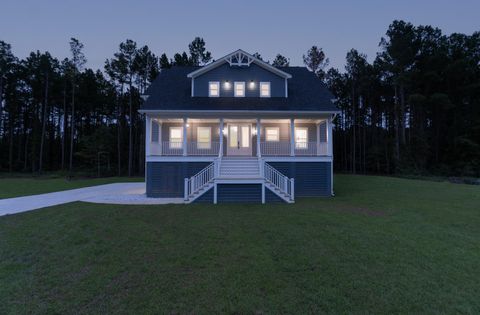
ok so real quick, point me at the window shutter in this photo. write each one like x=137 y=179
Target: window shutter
x=155 y=131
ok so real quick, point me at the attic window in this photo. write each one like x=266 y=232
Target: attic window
x=213 y=89
x=239 y=89
x=264 y=89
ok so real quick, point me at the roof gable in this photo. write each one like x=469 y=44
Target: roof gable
x=239 y=58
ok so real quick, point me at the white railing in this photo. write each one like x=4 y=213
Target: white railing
x=282 y=148
x=278 y=180
x=275 y=148
x=203 y=148
x=311 y=148
x=172 y=148
x=200 y=180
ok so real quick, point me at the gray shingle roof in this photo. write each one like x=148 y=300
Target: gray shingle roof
x=171 y=90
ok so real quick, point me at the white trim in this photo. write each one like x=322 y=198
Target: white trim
x=193 y=86
x=269 y=89
x=224 y=59
x=238 y=83
x=158 y=158
x=209 y=91
x=234 y=113
x=286 y=87
x=259 y=133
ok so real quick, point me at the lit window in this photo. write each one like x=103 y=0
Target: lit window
x=176 y=137
x=264 y=89
x=204 y=137
x=213 y=89
x=301 y=138
x=272 y=134
x=239 y=89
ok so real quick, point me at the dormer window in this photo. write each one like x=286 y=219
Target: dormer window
x=239 y=89
x=264 y=89
x=213 y=89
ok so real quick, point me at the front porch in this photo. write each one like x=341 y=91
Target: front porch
x=217 y=137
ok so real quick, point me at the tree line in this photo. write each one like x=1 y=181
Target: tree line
x=414 y=109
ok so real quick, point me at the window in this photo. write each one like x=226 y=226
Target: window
x=176 y=137
x=272 y=134
x=264 y=89
x=204 y=137
x=301 y=138
x=213 y=89
x=239 y=89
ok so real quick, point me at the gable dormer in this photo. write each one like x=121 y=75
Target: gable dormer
x=239 y=74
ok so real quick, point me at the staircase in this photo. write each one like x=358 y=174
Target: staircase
x=235 y=170
x=239 y=168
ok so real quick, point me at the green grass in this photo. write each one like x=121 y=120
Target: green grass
x=382 y=245
x=21 y=186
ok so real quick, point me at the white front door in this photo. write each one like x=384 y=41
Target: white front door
x=239 y=139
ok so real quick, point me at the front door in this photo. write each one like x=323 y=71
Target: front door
x=239 y=139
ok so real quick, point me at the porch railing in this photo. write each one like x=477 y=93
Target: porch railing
x=203 y=148
x=279 y=181
x=275 y=148
x=282 y=148
x=200 y=180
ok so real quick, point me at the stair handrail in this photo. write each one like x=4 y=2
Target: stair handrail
x=201 y=179
x=278 y=180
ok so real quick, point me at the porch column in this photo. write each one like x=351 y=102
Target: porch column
x=148 y=135
x=292 y=137
x=259 y=132
x=330 y=136
x=318 y=138
x=220 y=152
x=184 y=136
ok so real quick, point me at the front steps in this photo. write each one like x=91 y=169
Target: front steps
x=239 y=170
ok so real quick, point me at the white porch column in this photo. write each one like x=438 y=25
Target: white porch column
x=184 y=136
x=330 y=136
x=160 y=142
x=220 y=152
x=148 y=135
x=292 y=137
x=318 y=138
x=259 y=132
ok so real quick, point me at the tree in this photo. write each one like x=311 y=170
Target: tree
x=7 y=61
x=165 y=62
x=315 y=61
x=181 y=60
x=77 y=62
x=281 y=61
x=198 y=53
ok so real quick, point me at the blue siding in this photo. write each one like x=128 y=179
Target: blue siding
x=206 y=197
x=311 y=178
x=241 y=193
x=166 y=179
x=271 y=197
x=245 y=74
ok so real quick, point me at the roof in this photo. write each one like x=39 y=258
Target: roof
x=171 y=91
x=239 y=57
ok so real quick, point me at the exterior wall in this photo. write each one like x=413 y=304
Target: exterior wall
x=166 y=179
x=245 y=74
x=191 y=130
x=312 y=179
x=271 y=197
x=239 y=193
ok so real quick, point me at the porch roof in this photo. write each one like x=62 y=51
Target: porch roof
x=171 y=90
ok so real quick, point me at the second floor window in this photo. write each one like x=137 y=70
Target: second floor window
x=264 y=89
x=239 y=89
x=214 y=89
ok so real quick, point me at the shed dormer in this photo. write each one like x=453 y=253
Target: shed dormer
x=239 y=74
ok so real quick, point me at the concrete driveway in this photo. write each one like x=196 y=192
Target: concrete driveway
x=118 y=193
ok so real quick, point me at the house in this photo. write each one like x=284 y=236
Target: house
x=238 y=130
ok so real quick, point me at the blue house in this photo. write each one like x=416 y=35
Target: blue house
x=238 y=130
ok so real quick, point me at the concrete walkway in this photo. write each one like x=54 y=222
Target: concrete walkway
x=118 y=193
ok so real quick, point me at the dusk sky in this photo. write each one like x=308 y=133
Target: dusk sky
x=267 y=27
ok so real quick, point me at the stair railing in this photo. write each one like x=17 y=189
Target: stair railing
x=278 y=180
x=200 y=180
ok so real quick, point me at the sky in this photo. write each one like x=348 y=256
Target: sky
x=268 y=27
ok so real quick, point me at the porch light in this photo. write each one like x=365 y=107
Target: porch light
x=252 y=84
x=227 y=85
x=254 y=131
x=224 y=131
x=188 y=125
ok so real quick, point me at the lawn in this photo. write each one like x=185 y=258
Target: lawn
x=21 y=186
x=382 y=245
